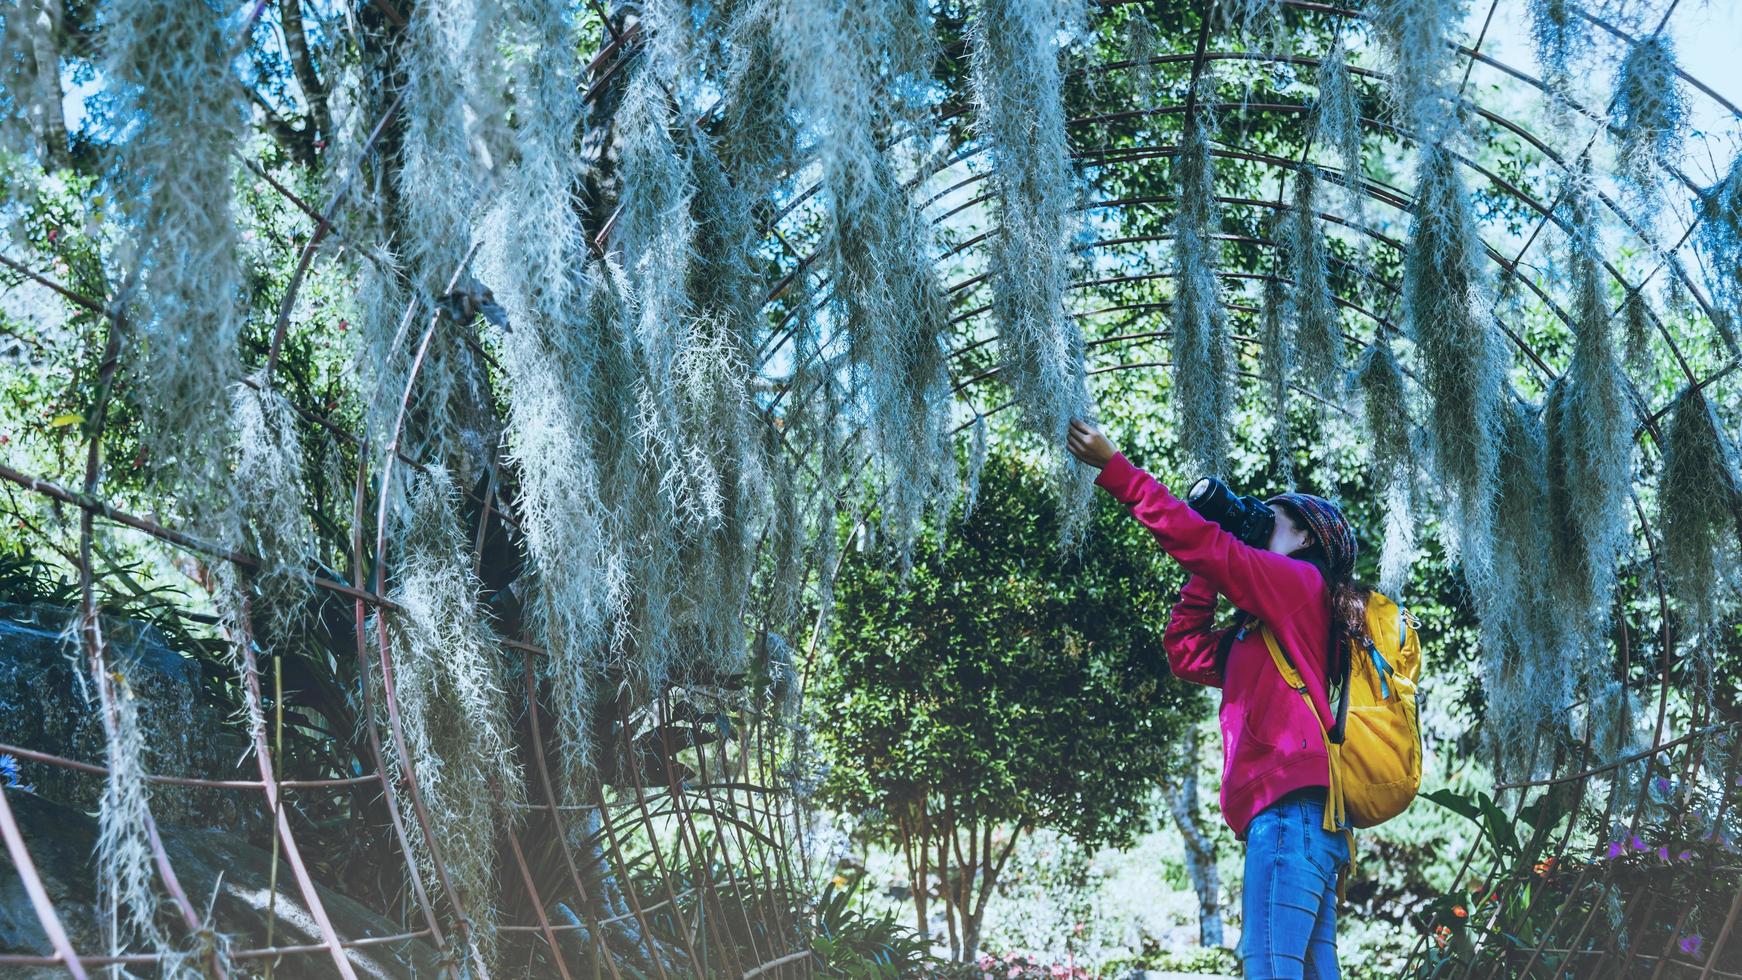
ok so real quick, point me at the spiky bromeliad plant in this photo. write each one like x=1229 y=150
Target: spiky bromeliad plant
x=458 y=738
x=1202 y=353
x=1458 y=357
x=1020 y=116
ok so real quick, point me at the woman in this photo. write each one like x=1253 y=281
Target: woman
x=1275 y=770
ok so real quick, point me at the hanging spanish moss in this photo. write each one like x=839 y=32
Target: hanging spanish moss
x=1140 y=50
x=1636 y=334
x=1337 y=118
x=1020 y=117
x=1276 y=363
x=1458 y=360
x=852 y=69
x=1650 y=111
x=1318 y=328
x=1589 y=420
x=269 y=490
x=169 y=63
x=1524 y=677
x=450 y=139
x=553 y=354
x=1558 y=30
x=1720 y=237
x=1260 y=20
x=452 y=708
x=1699 y=496
x=1202 y=354
x=1413 y=36
x=1386 y=418
x=123 y=851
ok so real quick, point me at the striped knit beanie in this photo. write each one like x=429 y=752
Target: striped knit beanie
x=1327 y=526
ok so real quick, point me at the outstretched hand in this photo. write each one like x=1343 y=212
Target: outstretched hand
x=1088 y=444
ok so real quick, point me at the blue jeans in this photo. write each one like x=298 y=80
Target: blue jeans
x=1289 y=903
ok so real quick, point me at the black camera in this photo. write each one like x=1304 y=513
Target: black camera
x=1247 y=518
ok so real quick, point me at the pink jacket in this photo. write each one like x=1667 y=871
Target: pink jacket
x=1271 y=744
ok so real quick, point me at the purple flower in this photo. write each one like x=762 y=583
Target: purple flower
x=1614 y=848
x=1684 y=856
x=1638 y=844
x=1663 y=852
x=1662 y=784
x=1690 y=944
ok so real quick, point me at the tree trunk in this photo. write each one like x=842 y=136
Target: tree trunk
x=1182 y=800
x=47 y=117
x=320 y=119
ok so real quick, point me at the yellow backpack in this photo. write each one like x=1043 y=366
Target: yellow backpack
x=1375 y=746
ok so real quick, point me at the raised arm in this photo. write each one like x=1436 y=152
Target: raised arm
x=1264 y=583
x=1190 y=641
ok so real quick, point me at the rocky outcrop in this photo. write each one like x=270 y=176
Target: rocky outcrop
x=216 y=870
x=47 y=704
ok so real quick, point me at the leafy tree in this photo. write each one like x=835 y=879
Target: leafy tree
x=999 y=687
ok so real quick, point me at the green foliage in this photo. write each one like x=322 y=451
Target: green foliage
x=1025 y=688
x=999 y=684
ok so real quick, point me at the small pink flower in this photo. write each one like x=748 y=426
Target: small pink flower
x=1060 y=970
x=1014 y=972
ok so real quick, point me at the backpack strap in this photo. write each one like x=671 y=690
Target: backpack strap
x=1336 y=817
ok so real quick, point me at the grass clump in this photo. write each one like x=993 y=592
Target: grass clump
x=1458 y=358
x=1202 y=353
x=1020 y=117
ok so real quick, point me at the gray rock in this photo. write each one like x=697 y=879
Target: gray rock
x=215 y=869
x=47 y=704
